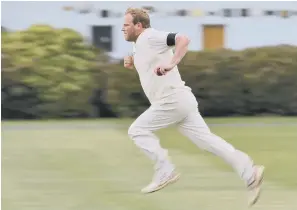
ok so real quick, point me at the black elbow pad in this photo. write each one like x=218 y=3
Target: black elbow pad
x=171 y=39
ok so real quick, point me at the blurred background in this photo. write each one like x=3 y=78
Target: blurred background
x=62 y=76
x=64 y=59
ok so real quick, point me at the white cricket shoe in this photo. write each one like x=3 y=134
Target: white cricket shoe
x=255 y=187
x=164 y=175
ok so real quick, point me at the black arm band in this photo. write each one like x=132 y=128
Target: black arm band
x=171 y=39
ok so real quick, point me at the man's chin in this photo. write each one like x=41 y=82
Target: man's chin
x=128 y=39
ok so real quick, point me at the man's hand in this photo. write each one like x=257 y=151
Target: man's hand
x=128 y=62
x=163 y=69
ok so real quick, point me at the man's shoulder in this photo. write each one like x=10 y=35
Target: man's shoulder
x=153 y=32
x=149 y=32
x=156 y=37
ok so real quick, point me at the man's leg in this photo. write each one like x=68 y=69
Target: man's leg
x=195 y=128
x=141 y=132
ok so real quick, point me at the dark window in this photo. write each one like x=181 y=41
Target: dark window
x=104 y=13
x=245 y=12
x=227 y=12
x=102 y=37
x=182 y=13
x=269 y=13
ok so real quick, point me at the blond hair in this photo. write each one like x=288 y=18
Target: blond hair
x=139 y=16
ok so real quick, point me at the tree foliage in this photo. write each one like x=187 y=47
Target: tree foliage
x=50 y=73
x=55 y=64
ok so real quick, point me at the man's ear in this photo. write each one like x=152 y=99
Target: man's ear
x=139 y=25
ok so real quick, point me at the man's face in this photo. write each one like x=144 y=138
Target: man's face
x=130 y=30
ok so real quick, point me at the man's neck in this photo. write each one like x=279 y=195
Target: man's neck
x=139 y=34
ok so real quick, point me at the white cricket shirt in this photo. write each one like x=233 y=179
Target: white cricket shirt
x=151 y=50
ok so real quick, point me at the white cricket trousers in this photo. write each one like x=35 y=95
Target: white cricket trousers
x=181 y=109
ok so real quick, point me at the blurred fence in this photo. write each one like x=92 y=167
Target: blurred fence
x=53 y=73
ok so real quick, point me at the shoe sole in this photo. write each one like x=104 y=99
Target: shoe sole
x=172 y=180
x=258 y=189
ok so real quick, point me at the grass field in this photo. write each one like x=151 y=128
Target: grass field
x=93 y=165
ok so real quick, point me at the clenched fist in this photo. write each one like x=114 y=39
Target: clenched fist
x=163 y=69
x=128 y=62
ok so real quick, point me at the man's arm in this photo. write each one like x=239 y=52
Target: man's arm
x=162 y=41
x=181 y=43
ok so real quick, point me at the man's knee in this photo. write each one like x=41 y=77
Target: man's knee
x=136 y=130
x=131 y=131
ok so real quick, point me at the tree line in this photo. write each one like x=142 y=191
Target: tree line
x=53 y=73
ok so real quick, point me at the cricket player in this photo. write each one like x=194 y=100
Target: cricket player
x=173 y=103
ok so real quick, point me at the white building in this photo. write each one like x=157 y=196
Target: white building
x=267 y=23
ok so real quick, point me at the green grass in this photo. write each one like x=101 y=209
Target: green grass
x=46 y=166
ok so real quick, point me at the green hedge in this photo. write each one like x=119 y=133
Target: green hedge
x=249 y=82
x=52 y=73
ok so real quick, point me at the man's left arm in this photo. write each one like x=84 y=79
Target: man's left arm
x=181 y=43
x=163 y=41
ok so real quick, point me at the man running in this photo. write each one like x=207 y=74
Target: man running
x=172 y=102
